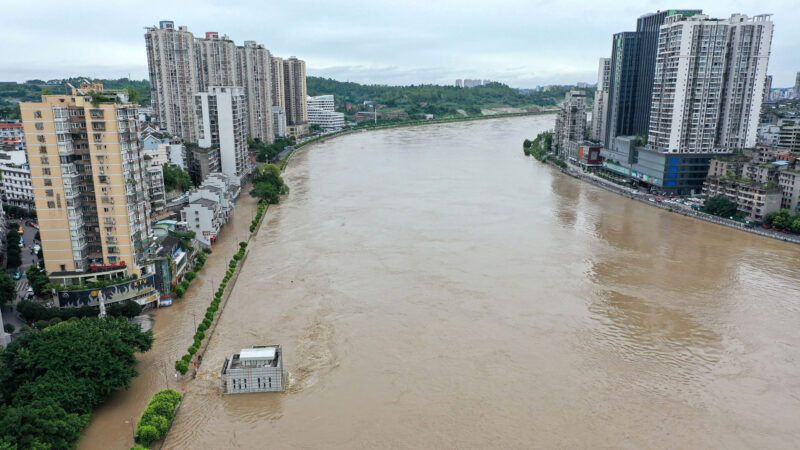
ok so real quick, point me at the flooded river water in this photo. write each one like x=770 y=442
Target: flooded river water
x=434 y=288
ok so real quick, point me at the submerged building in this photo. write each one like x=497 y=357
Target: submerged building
x=257 y=369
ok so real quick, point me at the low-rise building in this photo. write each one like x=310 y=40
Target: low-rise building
x=15 y=186
x=154 y=177
x=202 y=162
x=279 y=121
x=585 y=154
x=11 y=134
x=210 y=206
x=755 y=199
x=759 y=182
x=321 y=111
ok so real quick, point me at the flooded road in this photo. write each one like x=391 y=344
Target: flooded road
x=434 y=288
x=113 y=423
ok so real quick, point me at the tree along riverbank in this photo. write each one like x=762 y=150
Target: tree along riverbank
x=645 y=198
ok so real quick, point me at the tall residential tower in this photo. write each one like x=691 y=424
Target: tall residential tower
x=87 y=172
x=173 y=77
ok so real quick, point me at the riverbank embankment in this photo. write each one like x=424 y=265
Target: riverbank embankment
x=683 y=210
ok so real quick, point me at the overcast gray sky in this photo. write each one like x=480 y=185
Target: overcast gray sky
x=522 y=43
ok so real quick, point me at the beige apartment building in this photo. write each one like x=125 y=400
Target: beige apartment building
x=88 y=179
x=216 y=61
x=294 y=82
x=173 y=78
x=253 y=72
x=278 y=84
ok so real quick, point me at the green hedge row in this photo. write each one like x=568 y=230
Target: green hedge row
x=157 y=417
x=262 y=206
x=182 y=365
x=199 y=262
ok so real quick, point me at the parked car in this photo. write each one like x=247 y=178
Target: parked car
x=17 y=275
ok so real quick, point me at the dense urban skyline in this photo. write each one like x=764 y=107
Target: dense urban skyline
x=515 y=42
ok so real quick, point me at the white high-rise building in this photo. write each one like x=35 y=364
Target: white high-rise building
x=173 y=78
x=321 y=111
x=222 y=123
x=600 y=107
x=253 y=72
x=709 y=83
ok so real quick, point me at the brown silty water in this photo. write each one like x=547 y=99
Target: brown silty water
x=432 y=287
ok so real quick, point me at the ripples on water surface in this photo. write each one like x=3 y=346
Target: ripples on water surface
x=432 y=287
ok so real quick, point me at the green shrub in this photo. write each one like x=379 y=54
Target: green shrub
x=232 y=264
x=146 y=435
x=209 y=314
x=243 y=244
x=190 y=275
x=237 y=257
x=179 y=291
x=187 y=357
x=182 y=366
x=200 y=335
x=207 y=250
x=207 y=321
x=192 y=350
x=252 y=228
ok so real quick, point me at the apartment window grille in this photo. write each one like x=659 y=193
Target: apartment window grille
x=42 y=149
x=39 y=126
x=37 y=114
x=40 y=138
x=46 y=171
x=48 y=182
x=51 y=204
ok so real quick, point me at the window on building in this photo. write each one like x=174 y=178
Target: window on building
x=39 y=126
x=42 y=149
x=40 y=138
x=46 y=171
x=48 y=182
x=49 y=193
x=51 y=204
x=37 y=114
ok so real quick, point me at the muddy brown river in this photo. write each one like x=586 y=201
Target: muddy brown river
x=434 y=288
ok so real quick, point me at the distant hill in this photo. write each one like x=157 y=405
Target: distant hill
x=12 y=93
x=435 y=99
x=411 y=100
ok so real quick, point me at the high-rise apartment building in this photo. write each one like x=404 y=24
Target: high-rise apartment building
x=294 y=79
x=571 y=120
x=709 y=83
x=253 y=69
x=633 y=57
x=173 y=78
x=87 y=172
x=216 y=61
x=222 y=123
x=600 y=106
x=767 y=88
x=278 y=83
x=622 y=88
x=797 y=86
